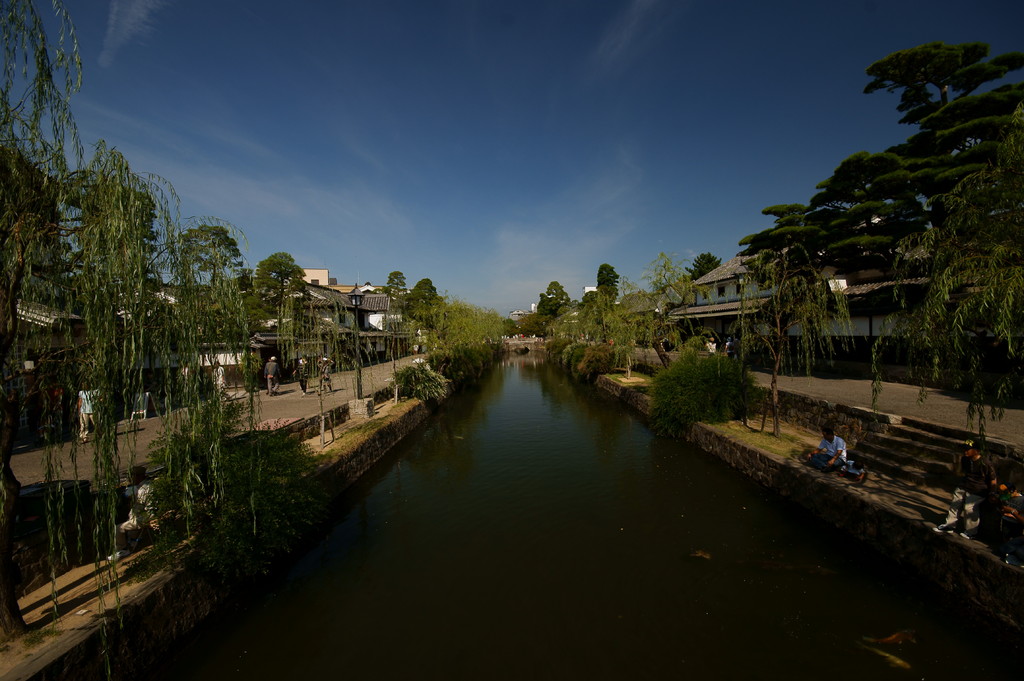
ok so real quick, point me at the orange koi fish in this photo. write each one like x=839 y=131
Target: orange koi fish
x=905 y=636
x=893 y=661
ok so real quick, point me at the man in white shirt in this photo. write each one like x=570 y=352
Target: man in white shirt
x=831 y=453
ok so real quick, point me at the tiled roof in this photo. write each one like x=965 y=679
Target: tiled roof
x=35 y=313
x=727 y=270
x=864 y=289
x=855 y=291
x=374 y=302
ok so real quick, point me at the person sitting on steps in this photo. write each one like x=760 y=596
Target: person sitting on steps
x=139 y=515
x=831 y=453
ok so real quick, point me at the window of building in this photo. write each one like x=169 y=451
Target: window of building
x=721 y=291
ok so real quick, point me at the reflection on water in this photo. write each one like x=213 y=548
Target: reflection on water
x=534 y=529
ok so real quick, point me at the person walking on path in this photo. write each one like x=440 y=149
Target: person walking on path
x=86 y=398
x=977 y=483
x=325 y=375
x=272 y=373
x=218 y=377
x=302 y=374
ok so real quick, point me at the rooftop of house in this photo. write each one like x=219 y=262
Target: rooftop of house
x=727 y=270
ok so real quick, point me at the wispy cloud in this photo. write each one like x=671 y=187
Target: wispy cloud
x=566 y=239
x=128 y=20
x=183 y=137
x=627 y=35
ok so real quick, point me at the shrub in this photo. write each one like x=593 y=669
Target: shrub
x=556 y=346
x=595 y=360
x=463 y=364
x=418 y=380
x=697 y=389
x=244 y=499
x=572 y=355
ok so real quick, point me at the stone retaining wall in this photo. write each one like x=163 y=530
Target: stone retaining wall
x=811 y=413
x=851 y=423
x=977 y=582
x=151 y=621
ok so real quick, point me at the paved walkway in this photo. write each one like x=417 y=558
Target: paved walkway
x=29 y=463
x=939 y=406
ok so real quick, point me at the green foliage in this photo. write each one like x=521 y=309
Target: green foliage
x=584 y=361
x=509 y=327
x=460 y=323
x=556 y=346
x=784 y=290
x=874 y=200
x=277 y=278
x=464 y=364
x=696 y=389
x=566 y=352
x=594 y=361
x=214 y=248
x=396 y=282
x=422 y=303
x=243 y=499
x=421 y=382
x=702 y=264
x=533 y=325
x=608 y=280
x=554 y=301
x=975 y=269
x=97 y=249
x=670 y=287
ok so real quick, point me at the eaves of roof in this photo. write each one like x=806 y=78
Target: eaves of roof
x=34 y=313
x=727 y=270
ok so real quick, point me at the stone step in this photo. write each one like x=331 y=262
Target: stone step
x=874 y=463
x=927 y=437
x=880 y=451
x=909 y=442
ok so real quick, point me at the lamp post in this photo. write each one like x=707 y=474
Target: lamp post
x=357 y=298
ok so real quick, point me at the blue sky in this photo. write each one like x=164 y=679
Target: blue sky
x=495 y=146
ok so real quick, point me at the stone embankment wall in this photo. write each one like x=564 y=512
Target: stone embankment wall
x=152 y=620
x=977 y=582
x=975 y=579
x=854 y=423
x=33 y=554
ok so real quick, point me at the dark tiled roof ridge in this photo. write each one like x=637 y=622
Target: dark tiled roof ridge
x=727 y=270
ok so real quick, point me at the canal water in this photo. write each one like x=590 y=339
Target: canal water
x=535 y=529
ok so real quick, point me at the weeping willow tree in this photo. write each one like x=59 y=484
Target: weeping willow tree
x=311 y=332
x=464 y=338
x=974 y=264
x=791 y=311
x=98 y=293
x=670 y=286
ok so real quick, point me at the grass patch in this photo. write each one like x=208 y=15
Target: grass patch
x=635 y=380
x=352 y=436
x=37 y=637
x=790 y=444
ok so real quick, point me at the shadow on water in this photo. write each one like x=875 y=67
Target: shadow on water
x=534 y=529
